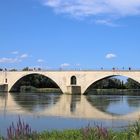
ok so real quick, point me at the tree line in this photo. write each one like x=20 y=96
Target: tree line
x=111 y=83
x=34 y=80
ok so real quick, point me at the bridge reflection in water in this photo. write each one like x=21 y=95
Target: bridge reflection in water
x=59 y=111
x=72 y=106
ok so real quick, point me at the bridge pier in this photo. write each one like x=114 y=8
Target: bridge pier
x=73 y=89
x=4 y=88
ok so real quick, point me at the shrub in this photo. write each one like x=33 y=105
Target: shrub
x=20 y=131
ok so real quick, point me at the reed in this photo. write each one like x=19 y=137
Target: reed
x=20 y=130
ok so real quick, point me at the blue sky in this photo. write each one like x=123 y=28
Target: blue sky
x=70 y=34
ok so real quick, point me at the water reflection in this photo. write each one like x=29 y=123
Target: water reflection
x=75 y=106
x=33 y=102
x=3 y=102
x=74 y=100
x=134 y=101
x=115 y=105
x=57 y=111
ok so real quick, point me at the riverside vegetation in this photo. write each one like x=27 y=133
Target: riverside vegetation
x=35 y=83
x=114 y=86
x=23 y=131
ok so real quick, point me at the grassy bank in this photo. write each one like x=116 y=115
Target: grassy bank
x=39 y=90
x=114 y=92
x=22 y=131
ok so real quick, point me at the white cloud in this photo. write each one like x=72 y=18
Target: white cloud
x=40 y=60
x=15 y=52
x=16 y=59
x=24 y=55
x=95 y=7
x=65 y=65
x=9 y=60
x=107 y=22
x=111 y=55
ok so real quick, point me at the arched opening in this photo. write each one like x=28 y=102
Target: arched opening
x=110 y=84
x=73 y=80
x=35 y=83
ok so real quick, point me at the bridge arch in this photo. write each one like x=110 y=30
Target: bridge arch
x=93 y=81
x=20 y=77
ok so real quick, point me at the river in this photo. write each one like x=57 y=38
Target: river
x=58 y=111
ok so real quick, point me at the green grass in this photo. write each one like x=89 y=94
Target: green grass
x=93 y=134
x=61 y=135
x=114 y=92
x=39 y=90
x=22 y=131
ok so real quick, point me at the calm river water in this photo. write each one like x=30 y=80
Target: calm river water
x=58 y=111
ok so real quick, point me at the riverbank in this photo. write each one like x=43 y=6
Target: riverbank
x=114 y=92
x=24 y=89
x=23 y=131
x=39 y=90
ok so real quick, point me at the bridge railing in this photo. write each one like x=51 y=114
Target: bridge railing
x=74 y=69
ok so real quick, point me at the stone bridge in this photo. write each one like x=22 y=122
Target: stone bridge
x=68 y=81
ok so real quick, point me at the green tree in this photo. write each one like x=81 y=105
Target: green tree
x=131 y=84
x=109 y=83
x=35 y=80
x=25 y=69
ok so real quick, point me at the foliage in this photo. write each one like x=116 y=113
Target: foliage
x=135 y=129
x=39 y=90
x=131 y=84
x=61 y=135
x=99 y=132
x=90 y=133
x=20 y=131
x=25 y=69
x=34 y=80
x=13 y=70
x=23 y=131
x=108 y=83
x=114 y=83
x=1 y=138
